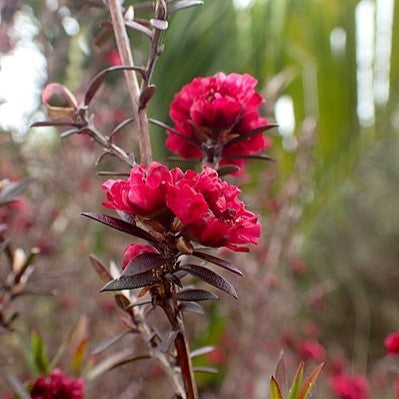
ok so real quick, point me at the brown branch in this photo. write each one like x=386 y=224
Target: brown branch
x=122 y=41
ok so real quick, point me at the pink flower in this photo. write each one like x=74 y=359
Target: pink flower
x=113 y=58
x=144 y=193
x=134 y=250
x=210 y=112
x=57 y=386
x=348 y=386
x=208 y=208
x=392 y=343
x=311 y=349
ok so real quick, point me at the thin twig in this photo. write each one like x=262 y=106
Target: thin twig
x=140 y=124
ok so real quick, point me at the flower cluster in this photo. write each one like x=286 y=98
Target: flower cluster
x=198 y=206
x=211 y=112
x=57 y=386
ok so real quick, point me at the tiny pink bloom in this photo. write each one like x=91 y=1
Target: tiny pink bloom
x=113 y=58
x=134 y=250
x=392 y=343
x=348 y=386
x=210 y=111
x=57 y=386
x=311 y=349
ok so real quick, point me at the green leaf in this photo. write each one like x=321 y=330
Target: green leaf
x=275 y=392
x=310 y=381
x=297 y=383
x=40 y=359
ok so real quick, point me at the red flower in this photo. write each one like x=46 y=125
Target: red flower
x=392 y=343
x=311 y=349
x=347 y=386
x=208 y=208
x=213 y=110
x=57 y=386
x=134 y=250
x=142 y=194
x=113 y=58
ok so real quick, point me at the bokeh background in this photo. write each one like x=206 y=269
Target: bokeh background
x=328 y=265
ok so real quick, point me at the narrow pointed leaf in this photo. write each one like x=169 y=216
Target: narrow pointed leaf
x=139 y=303
x=250 y=134
x=139 y=28
x=275 y=392
x=120 y=225
x=173 y=279
x=204 y=369
x=96 y=82
x=54 y=123
x=108 y=343
x=13 y=189
x=227 y=170
x=310 y=381
x=167 y=341
x=146 y=96
x=69 y=132
x=211 y=278
x=122 y=125
x=259 y=156
x=130 y=360
x=217 y=261
x=181 y=5
x=281 y=374
x=191 y=307
x=297 y=383
x=100 y=269
x=144 y=263
x=129 y=282
x=121 y=301
x=174 y=131
x=202 y=351
x=195 y=295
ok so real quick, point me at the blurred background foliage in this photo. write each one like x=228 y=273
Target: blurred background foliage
x=332 y=61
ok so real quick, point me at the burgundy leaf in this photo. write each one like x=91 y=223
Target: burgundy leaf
x=144 y=263
x=195 y=295
x=258 y=156
x=227 y=170
x=146 y=96
x=173 y=279
x=217 y=261
x=120 y=225
x=174 y=131
x=211 y=278
x=250 y=134
x=99 y=78
x=129 y=282
x=191 y=307
x=100 y=269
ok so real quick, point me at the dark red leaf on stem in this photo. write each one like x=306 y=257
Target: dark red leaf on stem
x=195 y=295
x=250 y=134
x=129 y=282
x=120 y=225
x=191 y=307
x=211 y=278
x=144 y=263
x=217 y=261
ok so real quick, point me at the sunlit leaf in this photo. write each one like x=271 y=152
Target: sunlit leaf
x=275 y=392
x=310 y=381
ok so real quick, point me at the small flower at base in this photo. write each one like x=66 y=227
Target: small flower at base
x=57 y=386
x=134 y=250
x=311 y=349
x=391 y=343
x=347 y=386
